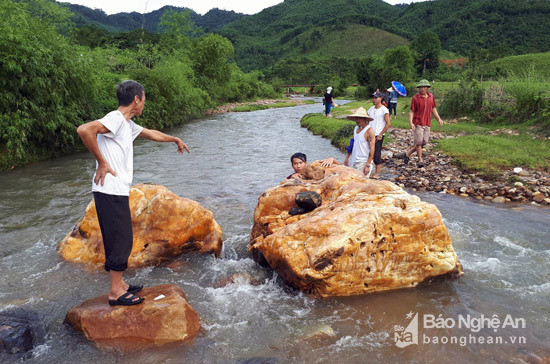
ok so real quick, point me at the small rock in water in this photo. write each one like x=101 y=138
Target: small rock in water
x=20 y=330
x=499 y=199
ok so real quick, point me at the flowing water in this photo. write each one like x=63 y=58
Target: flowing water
x=234 y=158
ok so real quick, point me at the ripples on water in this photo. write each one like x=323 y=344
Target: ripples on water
x=234 y=158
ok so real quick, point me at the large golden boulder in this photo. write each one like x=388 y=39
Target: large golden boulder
x=164 y=227
x=165 y=317
x=367 y=236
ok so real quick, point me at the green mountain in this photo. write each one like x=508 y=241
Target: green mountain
x=308 y=27
x=357 y=28
x=124 y=22
x=463 y=25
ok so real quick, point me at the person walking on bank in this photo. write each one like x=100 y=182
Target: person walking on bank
x=362 y=152
x=110 y=140
x=380 y=124
x=393 y=103
x=420 y=119
x=328 y=101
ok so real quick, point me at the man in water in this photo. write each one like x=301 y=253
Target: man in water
x=110 y=140
x=299 y=164
x=420 y=119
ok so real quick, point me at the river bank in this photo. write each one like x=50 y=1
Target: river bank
x=264 y=104
x=492 y=173
x=440 y=174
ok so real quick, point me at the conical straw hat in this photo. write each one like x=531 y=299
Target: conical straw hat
x=360 y=113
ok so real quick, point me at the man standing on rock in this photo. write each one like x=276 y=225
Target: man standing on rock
x=362 y=151
x=380 y=124
x=420 y=119
x=110 y=140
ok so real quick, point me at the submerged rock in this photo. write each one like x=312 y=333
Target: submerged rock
x=367 y=236
x=164 y=226
x=20 y=330
x=166 y=320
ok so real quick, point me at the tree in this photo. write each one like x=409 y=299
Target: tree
x=176 y=28
x=426 y=49
x=398 y=65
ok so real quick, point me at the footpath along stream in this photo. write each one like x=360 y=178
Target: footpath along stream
x=497 y=312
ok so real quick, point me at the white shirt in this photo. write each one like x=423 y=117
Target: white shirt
x=378 y=124
x=361 y=148
x=117 y=148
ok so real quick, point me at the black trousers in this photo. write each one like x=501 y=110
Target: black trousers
x=115 y=221
x=378 y=152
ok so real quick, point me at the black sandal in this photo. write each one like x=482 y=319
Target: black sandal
x=135 y=288
x=124 y=300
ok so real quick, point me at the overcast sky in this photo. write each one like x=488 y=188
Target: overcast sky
x=199 y=6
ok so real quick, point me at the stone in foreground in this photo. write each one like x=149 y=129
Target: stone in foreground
x=153 y=323
x=367 y=236
x=164 y=226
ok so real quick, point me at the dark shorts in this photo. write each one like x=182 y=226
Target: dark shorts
x=393 y=106
x=115 y=221
x=378 y=152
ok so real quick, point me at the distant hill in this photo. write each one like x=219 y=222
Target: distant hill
x=287 y=29
x=124 y=22
x=320 y=28
x=463 y=25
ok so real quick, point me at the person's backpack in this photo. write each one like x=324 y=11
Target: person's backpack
x=324 y=101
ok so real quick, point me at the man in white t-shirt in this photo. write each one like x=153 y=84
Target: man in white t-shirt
x=110 y=140
x=380 y=124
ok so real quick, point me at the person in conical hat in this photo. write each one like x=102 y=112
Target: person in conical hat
x=362 y=152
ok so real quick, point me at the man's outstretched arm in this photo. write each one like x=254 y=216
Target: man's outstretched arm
x=158 y=136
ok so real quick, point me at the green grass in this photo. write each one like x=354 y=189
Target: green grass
x=473 y=148
x=354 y=41
x=490 y=154
x=330 y=128
x=538 y=63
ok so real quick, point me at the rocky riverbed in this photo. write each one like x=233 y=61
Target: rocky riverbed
x=222 y=109
x=441 y=175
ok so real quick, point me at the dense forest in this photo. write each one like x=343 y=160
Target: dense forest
x=52 y=80
x=123 y=22
x=59 y=63
x=317 y=30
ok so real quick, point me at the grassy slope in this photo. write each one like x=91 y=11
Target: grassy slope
x=538 y=63
x=259 y=36
x=354 y=41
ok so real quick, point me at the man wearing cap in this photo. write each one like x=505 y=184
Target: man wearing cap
x=362 y=152
x=420 y=119
x=380 y=124
x=328 y=101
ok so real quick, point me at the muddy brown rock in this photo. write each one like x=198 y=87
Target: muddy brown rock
x=164 y=226
x=153 y=323
x=367 y=236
